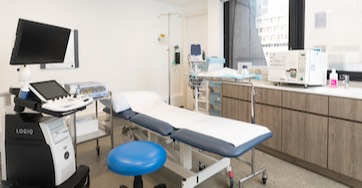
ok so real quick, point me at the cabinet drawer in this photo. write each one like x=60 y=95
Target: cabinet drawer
x=214 y=112
x=236 y=91
x=215 y=98
x=344 y=148
x=306 y=102
x=215 y=85
x=215 y=107
x=268 y=96
x=345 y=108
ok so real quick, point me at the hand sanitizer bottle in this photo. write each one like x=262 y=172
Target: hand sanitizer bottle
x=333 y=79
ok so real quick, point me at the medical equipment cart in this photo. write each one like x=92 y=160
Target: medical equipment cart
x=200 y=93
x=105 y=127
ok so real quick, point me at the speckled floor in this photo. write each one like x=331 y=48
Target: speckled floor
x=280 y=173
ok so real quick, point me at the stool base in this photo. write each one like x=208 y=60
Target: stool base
x=138 y=183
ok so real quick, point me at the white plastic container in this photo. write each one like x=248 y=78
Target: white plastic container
x=333 y=79
x=244 y=71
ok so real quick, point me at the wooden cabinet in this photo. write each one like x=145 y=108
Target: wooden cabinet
x=236 y=102
x=345 y=136
x=268 y=113
x=345 y=147
x=270 y=117
x=305 y=136
x=322 y=133
x=305 y=133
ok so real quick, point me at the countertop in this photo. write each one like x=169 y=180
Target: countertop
x=350 y=92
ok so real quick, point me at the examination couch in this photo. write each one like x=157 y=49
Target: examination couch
x=196 y=136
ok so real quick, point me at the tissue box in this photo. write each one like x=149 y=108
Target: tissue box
x=86 y=124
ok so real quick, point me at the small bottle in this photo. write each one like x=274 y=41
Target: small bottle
x=23 y=94
x=244 y=71
x=24 y=91
x=333 y=79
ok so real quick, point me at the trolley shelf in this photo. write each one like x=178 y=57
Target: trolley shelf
x=93 y=136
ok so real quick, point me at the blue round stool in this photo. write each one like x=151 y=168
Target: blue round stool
x=136 y=159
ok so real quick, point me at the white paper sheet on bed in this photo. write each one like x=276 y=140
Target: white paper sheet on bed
x=232 y=131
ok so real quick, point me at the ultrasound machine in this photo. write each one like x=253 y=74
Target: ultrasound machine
x=38 y=146
x=37 y=149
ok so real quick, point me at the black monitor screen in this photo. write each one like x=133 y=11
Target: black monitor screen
x=38 y=43
x=49 y=89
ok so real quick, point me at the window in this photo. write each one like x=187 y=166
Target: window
x=277 y=12
x=252 y=29
x=334 y=26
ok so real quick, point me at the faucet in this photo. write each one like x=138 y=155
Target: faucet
x=345 y=79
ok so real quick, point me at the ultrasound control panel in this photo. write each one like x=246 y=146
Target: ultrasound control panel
x=55 y=98
x=67 y=103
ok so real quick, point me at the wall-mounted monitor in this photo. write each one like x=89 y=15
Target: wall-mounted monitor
x=39 y=43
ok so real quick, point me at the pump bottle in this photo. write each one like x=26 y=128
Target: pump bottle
x=333 y=79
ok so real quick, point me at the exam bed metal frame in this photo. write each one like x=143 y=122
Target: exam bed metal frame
x=181 y=152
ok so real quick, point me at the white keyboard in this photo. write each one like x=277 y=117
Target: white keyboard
x=67 y=103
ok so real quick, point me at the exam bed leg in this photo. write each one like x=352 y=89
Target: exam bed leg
x=253 y=172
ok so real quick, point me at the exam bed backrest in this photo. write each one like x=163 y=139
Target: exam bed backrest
x=160 y=127
x=215 y=145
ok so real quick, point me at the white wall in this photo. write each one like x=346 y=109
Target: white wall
x=117 y=41
x=216 y=28
x=211 y=28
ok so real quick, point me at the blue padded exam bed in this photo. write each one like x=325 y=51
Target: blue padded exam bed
x=224 y=137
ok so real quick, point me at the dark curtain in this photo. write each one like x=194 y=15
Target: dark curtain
x=243 y=38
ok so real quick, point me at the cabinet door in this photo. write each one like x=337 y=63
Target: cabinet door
x=236 y=109
x=270 y=117
x=305 y=136
x=345 y=147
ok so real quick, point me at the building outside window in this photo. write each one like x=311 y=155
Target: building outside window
x=274 y=14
